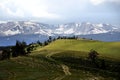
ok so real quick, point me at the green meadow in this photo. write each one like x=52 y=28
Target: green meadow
x=105 y=49
x=60 y=60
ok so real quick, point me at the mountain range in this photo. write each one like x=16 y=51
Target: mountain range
x=32 y=31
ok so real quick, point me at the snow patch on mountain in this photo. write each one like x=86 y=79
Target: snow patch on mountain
x=27 y=27
x=9 y=32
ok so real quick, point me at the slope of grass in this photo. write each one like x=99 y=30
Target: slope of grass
x=28 y=68
x=76 y=74
x=39 y=66
x=106 y=49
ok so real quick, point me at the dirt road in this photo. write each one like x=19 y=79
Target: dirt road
x=64 y=67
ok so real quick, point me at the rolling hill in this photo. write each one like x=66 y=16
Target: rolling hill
x=53 y=62
x=106 y=49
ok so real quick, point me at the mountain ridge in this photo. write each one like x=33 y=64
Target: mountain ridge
x=27 y=27
x=34 y=31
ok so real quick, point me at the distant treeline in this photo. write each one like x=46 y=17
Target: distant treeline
x=51 y=39
x=22 y=49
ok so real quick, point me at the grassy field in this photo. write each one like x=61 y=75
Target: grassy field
x=28 y=68
x=40 y=65
x=105 y=49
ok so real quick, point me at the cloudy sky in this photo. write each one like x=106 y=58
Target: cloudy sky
x=61 y=11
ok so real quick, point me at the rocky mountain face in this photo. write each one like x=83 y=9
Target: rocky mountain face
x=33 y=31
x=22 y=27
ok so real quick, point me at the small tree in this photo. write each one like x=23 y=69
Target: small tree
x=103 y=64
x=93 y=55
x=14 y=51
x=59 y=37
x=45 y=43
x=19 y=49
x=50 y=38
x=38 y=42
x=23 y=45
x=5 y=54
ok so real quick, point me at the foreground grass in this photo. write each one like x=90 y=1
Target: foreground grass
x=37 y=66
x=28 y=68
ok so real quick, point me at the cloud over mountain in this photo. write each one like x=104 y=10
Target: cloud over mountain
x=61 y=10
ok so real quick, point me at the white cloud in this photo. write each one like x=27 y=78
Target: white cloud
x=97 y=2
x=115 y=0
x=22 y=8
x=57 y=10
x=44 y=14
x=6 y=11
x=17 y=13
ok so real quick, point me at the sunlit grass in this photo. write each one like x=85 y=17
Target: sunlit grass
x=105 y=49
x=37 y=67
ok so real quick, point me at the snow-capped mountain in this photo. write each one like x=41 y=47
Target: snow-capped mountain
x=21 y=27
x=33 y=31
x=83 y=28
x=26 y=27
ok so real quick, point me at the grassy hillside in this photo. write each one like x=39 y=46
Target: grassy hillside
x=60 y=60
x=105 y=49
x=28 y=68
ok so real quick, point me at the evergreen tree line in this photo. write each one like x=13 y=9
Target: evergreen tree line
x=67 y=37
x=51 y=39
x=22 y=49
